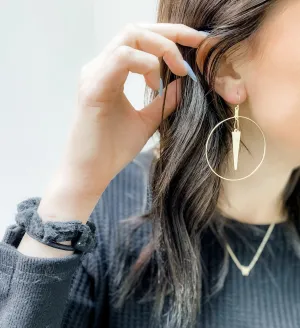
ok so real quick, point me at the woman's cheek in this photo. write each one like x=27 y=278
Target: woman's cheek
x=275 y=107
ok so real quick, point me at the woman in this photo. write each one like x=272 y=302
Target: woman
x=203 y=250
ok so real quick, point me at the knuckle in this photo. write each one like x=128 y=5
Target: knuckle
x=129 y=33
x=154 y=63
x=123 y=52
x=130 y=28
x=181 y=25
x=151 y=64
x=171 y=48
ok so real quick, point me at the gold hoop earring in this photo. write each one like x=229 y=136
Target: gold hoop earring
x=236 y=140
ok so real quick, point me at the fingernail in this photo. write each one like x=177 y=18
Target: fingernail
x=205 y=34
x=161 y=87
x=190 y=71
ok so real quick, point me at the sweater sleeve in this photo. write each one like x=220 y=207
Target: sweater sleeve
x=70 y=292
x=33 y=291
x=50 y=292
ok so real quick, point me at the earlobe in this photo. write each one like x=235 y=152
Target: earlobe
x=231 y=89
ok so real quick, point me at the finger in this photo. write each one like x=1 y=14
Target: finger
x=152 y=114
x=178 y=33
x=154 y=43
x=109 y=80
x=135 y=61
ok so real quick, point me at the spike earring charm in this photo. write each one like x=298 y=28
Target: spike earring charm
x=236 y=141
x=236 y=138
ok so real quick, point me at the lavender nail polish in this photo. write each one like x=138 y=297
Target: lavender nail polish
x=205 y=34
x=161 y=87
x=190 y=71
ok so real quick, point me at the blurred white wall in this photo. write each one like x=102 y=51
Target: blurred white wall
x=43 y=46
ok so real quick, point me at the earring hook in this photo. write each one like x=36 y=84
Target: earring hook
x=236 y=115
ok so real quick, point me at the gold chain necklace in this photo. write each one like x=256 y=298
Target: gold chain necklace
x=245 y=270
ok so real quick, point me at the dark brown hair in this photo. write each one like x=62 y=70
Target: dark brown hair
x=184 y=190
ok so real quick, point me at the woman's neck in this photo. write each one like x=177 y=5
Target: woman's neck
x=257 y=199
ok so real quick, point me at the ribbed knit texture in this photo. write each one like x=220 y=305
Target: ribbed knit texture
x=75 y=291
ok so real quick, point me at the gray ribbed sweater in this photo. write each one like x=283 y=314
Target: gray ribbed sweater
x=75 y=291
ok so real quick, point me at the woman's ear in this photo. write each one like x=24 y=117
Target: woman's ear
x=229 y=83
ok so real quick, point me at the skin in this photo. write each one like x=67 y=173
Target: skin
x=107 y=132
x=264 y=80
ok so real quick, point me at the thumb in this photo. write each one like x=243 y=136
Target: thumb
x=152 y=113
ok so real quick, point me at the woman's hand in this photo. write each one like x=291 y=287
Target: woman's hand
x=108 y=132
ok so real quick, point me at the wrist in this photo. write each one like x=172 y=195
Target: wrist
x=67 y=200
x=31 y=247
x=67 y=205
